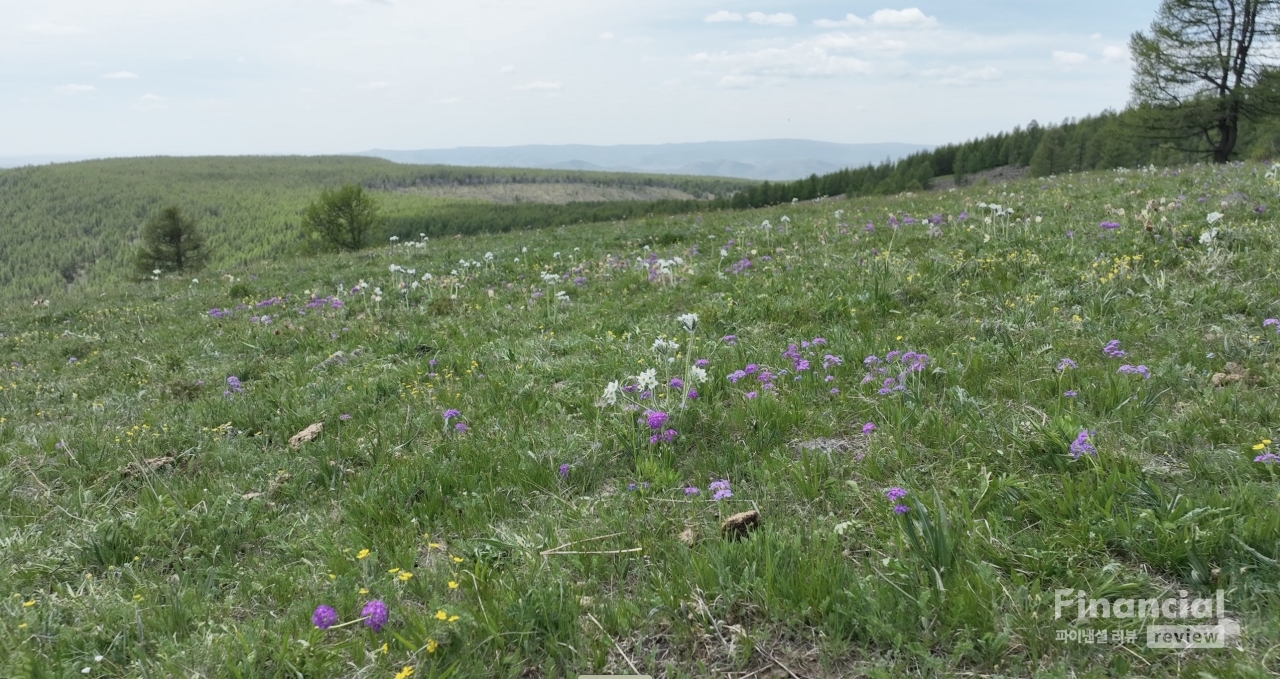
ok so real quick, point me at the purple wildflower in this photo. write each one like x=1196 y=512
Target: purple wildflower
x=72 y=360
x=1113 y=350
x=702 y=363
x=324 y=617
x=450 y=414
x=375 y=615
x=751 y=368
x=676 y=383
x=564 y=471
x=1135 y=370
x=900 y=509
x=461 y=427
x=693 y=393
x=1081 y=445
x=655 y=418
x=344 y=417
x=729 y=339
x=1109 y=226
x=1066 y=363
x=868 y=428
x=692 y=490
x=751 y=395
x=1070 y=393
x=1267 y=458
x=722 y=490
x=1272 y=322
x=895 y=493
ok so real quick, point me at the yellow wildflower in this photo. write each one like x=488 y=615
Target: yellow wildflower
x=432 y=645
x=441 y=615
x=404 y=577
x=363 y=553
x=28 y=604
x=405 y=673
x=453 y=585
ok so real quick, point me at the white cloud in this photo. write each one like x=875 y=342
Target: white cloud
x=54 y=29
x=1069 y=58
x=507 y=68
x=722 y=16
x=1095 y=36
x=848 y=20
x=377 y=85
x=74 y=89
x=121 y=75
x=539 y=86
x=151 y=97
x=902 y=17
x=779 y=19
x=806 y=59
x=1114 y=53
x=449 y=101
x=607 y=35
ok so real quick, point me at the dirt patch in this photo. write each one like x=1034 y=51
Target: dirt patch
x=996 y=175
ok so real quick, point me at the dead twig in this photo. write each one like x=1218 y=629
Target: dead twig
x=545 y=552
x=615 y=643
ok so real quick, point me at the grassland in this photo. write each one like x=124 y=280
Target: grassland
x=157 y=521
x=78 y=224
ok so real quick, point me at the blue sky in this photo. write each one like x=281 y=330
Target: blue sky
x=141 y=77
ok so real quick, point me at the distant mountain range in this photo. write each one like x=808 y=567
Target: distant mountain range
x=773 y=159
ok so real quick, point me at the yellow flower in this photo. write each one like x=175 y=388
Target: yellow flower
x=405 y=673
x=385 y=649
x=394 y=570
x=441 y=615
x=332 y=576
x=363 y=553
x=453 y=618
x=1267 y=441
x=453 y=585
x=1259 y=446
x=137 y=597
x=404 y=577
x=364 y=591
x=433 y=545
x=457 y=559
x=28 y=604
x=432 y=645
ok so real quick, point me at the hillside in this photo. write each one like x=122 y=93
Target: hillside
x=771 y=159
x=944 y=407
x=71 y=224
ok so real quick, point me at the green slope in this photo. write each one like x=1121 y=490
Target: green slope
x=153 y=512
x=78 y=222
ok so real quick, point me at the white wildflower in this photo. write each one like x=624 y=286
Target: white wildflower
x=1213 y=217
x=647 y=380
x=697 y=375
x=689 y=321
x=610 y=396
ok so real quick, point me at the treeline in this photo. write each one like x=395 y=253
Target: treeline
x=1100 y=142
x=472 y=218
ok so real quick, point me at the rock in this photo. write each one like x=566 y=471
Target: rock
x=737 y=526
x=1232 y=373
x=308 y=434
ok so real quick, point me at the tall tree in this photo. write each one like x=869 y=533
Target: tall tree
x=343 y=219
x=1196 y=72
x=171 y=243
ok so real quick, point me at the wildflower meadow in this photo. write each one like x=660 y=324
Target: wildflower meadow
x=842 y=437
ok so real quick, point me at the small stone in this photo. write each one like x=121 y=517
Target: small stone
x=308 y=434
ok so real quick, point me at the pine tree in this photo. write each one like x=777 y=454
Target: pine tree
x=171 y=243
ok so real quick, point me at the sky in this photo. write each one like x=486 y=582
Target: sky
x=185 y=77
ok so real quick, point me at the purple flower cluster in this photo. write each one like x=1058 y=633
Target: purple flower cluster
x=765 y=377
x=896 y=495
x=1113 y=350
x=233 y=386
x=1135 y=370
x=879 y=370
x=219 y=313
x=1267 y=458
x=374 y=615
x=665 y=437
x=331 y=302
x=1081 y=445
x=654 y=419
x=631 y=487
x=1066 y=363
x=691 y=490
x=264 y=319
x=269 y=302
x=739 y=266
x=729 y=339
x=722 y=490
x=868 y=428
x=1272 y=323
x=564 y=471
x=1109 y=226
x=324 y=617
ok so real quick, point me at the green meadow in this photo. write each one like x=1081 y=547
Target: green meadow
x=942 y=406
